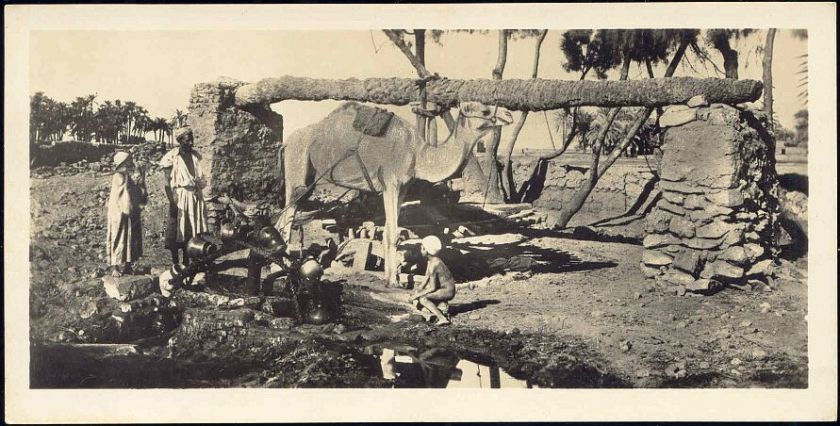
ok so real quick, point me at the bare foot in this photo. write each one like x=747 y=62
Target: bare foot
x=443 y=321
x=115 y=272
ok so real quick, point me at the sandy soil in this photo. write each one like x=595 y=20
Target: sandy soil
x=586 y=317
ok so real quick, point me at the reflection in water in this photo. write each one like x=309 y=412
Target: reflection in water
x=439 y=368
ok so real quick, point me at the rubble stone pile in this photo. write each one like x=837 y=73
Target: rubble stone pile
x=238 y=149
x=716 y=222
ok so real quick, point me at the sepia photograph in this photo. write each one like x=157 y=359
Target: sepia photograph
x=601 y=206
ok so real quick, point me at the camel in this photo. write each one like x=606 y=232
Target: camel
x=333 y=150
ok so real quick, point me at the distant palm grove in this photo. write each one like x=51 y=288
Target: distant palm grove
x=87 y=120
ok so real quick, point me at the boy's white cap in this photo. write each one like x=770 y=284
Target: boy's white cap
x=120 y=157
x=432 y=244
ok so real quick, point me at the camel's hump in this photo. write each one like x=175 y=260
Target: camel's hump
x=369 y=120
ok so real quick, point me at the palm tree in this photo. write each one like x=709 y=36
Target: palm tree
x=180 y=117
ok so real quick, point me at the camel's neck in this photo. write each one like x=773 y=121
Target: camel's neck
x=438 y=163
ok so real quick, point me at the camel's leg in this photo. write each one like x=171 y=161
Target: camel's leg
x=392 y=196
x=297 y=171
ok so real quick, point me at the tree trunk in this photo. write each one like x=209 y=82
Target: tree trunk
x=767 y=64
x=730 y=56
x=420 y=53
x=569 y=209
x=515 y=94
x=492 y=183
x=507 y=171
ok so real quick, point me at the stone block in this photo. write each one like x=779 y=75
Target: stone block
x=649 y=272
x=673 y=208
x=655 y=258
x=695 y=202
x=129 y=287
x=702 y=284
x=657 y=221
x=703 y=243
x=681 y=187
x=753 y=251
x=697 y=101
x=763 y=267
x=734 y=254
x=727 y=270
x=716 y=229
x=673 y=197
x=677 y=115
x=676 y=277
x=659 y=240
x=681 y=227
x=727 y=198
x=687 y=260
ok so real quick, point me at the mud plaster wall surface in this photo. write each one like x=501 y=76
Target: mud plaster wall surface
x=239 y=153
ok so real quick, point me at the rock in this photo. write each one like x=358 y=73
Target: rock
x=709 y=212
x=681 y=187
x=753 y=251
x=745 y=323
x=673 y=208
x=625 y=346
x=641 y=374
x=735 y=361
x=676 y=370
x=697 y=101
x=695 y=202
x=659 y=240
x=649 y=272
x=687 y=260
x=734 y=254
x=682 y=324
x=703 y=243
x=677 y=115
x=655 y=258
x=728 y=198
x=284 y=323
x=701 y=285
x=596 y=314
x=677 y=277
x=278 y=306
x=475 y=316
x=657 y=221
x=673 y=197
x=759 y=355
x=681 y=227
x=128 y=287
x=727 y=270
x=716 y=229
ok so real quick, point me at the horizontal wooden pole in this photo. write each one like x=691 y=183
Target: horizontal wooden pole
x=522 y=95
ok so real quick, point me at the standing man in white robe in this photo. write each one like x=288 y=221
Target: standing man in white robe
x=186 y=181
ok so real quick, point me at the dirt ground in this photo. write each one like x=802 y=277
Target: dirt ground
x=583 y=317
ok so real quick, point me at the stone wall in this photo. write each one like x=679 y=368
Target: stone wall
x=616 y=193
x=717 y=219
x=239 y=150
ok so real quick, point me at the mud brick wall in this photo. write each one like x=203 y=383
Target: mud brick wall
x=717 y=219
x=239 y=150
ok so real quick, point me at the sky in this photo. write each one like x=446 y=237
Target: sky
x=157 y=69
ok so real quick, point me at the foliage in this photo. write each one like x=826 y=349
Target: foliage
x=107 y=122
x=603 y=50
x=801 y=128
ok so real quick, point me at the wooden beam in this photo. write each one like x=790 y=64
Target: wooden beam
x=515 y=94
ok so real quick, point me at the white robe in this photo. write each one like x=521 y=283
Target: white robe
x=187 y=189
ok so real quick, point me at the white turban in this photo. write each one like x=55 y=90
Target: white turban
x=432 y=244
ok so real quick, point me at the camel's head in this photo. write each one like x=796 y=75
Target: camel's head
x=480 y=117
